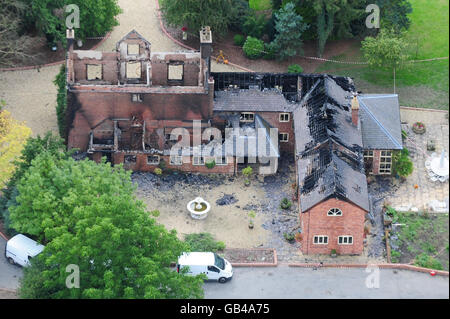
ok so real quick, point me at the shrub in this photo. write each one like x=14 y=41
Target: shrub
x=157 y=171
x=203 y=242
x=210 y=164
x=239 y=40
x=269 y=51
x=289 y=236
x=423 y=260
x=247 y=171
x=285 y=203
x=403 y=166
x=254 y=25
x=253 y=48
x=295 y=68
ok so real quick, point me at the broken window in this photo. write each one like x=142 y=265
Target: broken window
x=133 y=49
x=345 y=240
x=133 y=70
x=153 y=160
x=247 y=117
x=175 y=71
x=198 y=160
x=136 y=98
x=334 y=212
x=284 y=117
x=94 y=72
x=129 y=159
x=385 y=162
x=284 y=137
x=176 y=160
x=368 y=161
x=321 y=240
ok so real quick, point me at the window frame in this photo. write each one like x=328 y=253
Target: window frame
x=283 y=140
x=221 y=163
x=140 y=70
x=385 y=171
x=200 y=163
x=335 y=210
x=94 y=65
x=139 y=98
x=323 y=237
x=159 y=159
x=348 y=237
x=284 y=114
x=133 y=44
x=130 y=162
x=175 y=64
x=369 y=154
x=176 y=163
x=242 y=117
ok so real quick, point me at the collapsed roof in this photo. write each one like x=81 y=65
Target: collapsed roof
x=328 y=147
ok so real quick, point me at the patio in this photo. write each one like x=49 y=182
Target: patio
x=422 y=189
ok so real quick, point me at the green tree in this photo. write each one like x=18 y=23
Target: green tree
x=394 y=14
x=96 y=17
x=61 y=100
x=289 y=27
x=403 y=166
x=87 y=215
x=254 y=25
x=220 y=15
x=32 y=148
x=253 y=48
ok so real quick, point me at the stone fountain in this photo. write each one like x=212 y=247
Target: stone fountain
x=198 y=208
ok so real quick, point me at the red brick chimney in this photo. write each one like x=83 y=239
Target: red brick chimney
x=355 y=110
x=206 y=45
x=70 y=36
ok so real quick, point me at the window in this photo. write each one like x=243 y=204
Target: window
x=368 y=160
x=153 y=160
x=221 y=160
x=284 y=137
x=133 y=49
x=94 y=72
x=133 y=70
x=136 y=98
x=175 y=71
x=212 y=268
x=284 y=117
x=129 y=159
x=321 y=240
x=334 y=212
x=198 y=160
x=345 y=240
x=247 y=117
x=176 y=160
x=385 y=162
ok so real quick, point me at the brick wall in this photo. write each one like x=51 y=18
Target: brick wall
x=316 y=222
x=187 y=166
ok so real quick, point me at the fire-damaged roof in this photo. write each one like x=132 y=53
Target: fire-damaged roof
x=380 y=121
x=252 y=100
x=329 y=148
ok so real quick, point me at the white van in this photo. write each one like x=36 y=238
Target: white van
x=20 y=249
x=210 y=264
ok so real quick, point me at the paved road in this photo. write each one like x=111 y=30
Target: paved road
x=284 y=282
x=9 y=274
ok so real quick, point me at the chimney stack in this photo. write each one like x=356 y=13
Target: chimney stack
x=70 y=36
x=355 y=109
x=206 y=45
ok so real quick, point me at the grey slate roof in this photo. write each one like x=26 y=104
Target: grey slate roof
x=328 y=147
x=251 y=100
x=380 y=121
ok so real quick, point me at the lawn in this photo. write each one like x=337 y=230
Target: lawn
x=424 y=84
x=260 y=4
x=422 y=239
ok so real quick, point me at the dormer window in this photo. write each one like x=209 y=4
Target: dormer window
x=133 y=49
x=134 y=70
x=334 y=212
x=94 y=72
x=175 y=71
